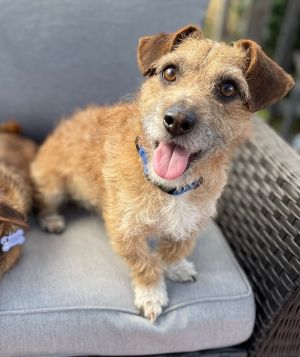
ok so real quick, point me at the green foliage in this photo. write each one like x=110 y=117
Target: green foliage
x=276 y=18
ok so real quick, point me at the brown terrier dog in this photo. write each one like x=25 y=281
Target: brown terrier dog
x=16 y=153
x=156 y=166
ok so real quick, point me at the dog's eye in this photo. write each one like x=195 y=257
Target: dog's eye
x=169 y=73
x=228 y=89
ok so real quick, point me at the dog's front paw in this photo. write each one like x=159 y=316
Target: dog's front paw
x=183 y=271
x=52 y=223
x=151 y=300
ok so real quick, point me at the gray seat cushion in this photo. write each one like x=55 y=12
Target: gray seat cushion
x=71 y=295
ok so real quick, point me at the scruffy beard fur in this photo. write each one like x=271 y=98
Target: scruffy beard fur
x=91 y=158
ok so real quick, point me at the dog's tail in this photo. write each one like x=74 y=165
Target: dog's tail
x=11 y=127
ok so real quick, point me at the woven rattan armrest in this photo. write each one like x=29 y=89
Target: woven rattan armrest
x=259 y=213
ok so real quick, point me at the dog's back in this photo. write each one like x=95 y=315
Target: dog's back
x=16 y=152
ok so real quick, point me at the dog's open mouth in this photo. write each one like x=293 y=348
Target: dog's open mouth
x=171 y=160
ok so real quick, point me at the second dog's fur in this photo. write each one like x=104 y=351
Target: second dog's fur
x=190 y=114
x=16 y=153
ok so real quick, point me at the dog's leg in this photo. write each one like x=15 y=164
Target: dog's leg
x=150 y=299
x=48 y=195
x=49 y=218
x=173 y=254
x=183 y=271
x=148 y=278
x=52 y=222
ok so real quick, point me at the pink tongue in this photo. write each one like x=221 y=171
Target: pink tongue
x=170 y=161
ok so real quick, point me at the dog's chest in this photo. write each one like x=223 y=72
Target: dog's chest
x=179 y=217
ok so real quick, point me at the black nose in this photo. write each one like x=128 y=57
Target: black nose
x=179 y=120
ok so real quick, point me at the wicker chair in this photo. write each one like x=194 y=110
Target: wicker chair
x=259 y=214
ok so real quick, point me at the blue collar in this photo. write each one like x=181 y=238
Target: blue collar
x=173 y=191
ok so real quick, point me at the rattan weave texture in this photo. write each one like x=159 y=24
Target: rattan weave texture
x=284 y=339
x=259 y=213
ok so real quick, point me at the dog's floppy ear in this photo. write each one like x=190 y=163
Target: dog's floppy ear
x=151 y=48
x=11 y=216
x=267 y=81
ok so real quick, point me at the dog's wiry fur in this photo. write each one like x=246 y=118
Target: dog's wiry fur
x=92 y=157
x=16 y=153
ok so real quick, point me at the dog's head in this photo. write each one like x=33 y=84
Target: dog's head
x=199 y=95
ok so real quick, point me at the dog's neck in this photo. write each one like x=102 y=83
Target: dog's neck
x=171 y=191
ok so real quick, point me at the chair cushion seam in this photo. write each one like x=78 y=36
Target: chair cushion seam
x=99 y=308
